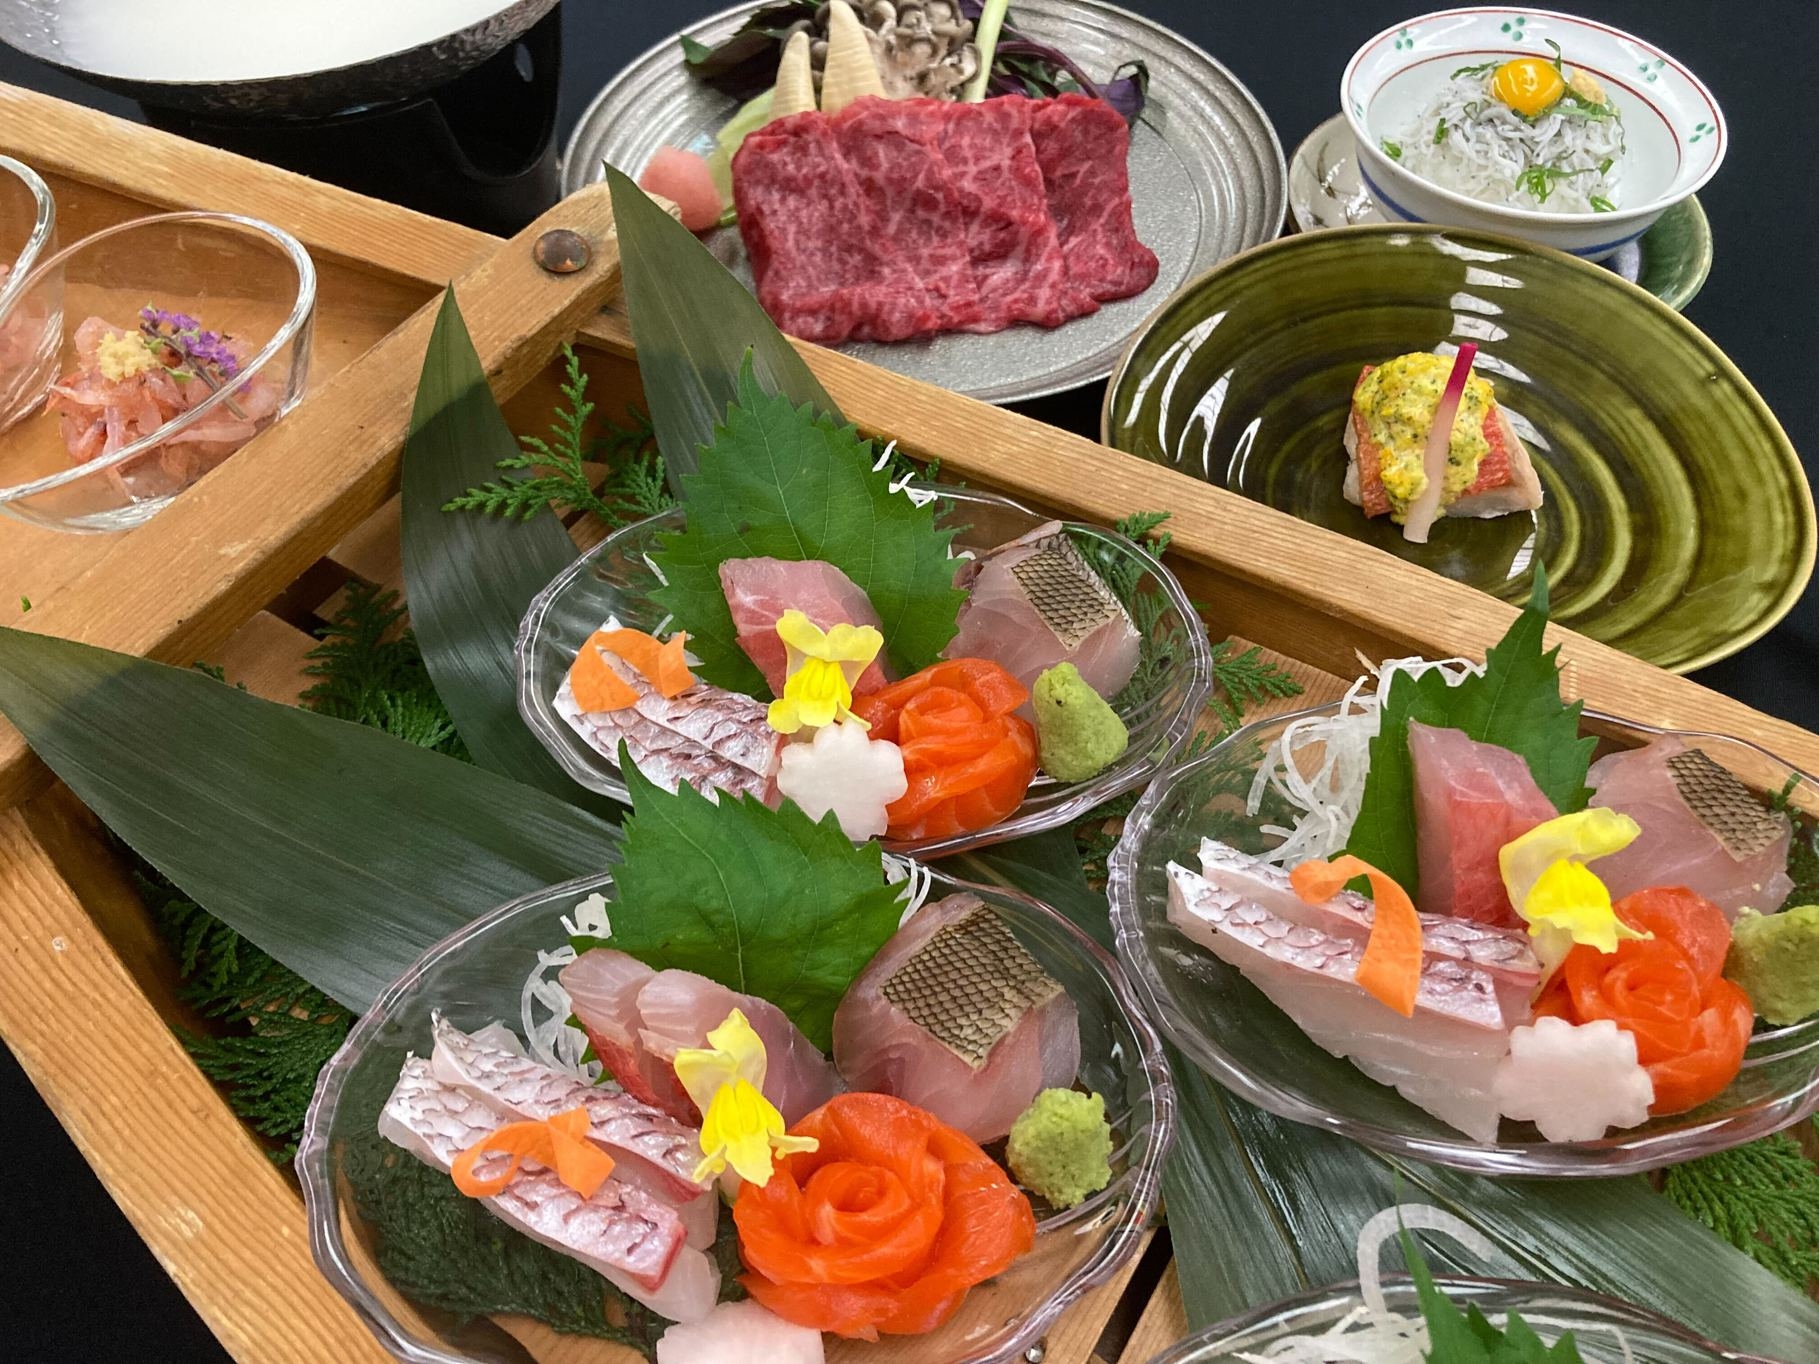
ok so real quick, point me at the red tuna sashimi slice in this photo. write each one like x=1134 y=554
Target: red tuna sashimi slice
x=825 y=269
x=1701 y=828
x=1471 y=798
x=1083 y=148
x=759 y=591
x=1036 y=602
x=639 y=1018
x=1001 y=211
x=927 y=993
x=893 y=147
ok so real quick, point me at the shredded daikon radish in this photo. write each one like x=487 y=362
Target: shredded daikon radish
x=1372 y=1333
x=544 y=1008
x=915 y=879
x=1318 y=764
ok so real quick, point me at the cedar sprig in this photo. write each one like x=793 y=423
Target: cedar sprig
x=1763 y=1198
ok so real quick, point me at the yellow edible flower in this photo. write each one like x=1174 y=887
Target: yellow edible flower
x=740 y=1128
x=121 y=355
x=1561 y=900
x=823 y=665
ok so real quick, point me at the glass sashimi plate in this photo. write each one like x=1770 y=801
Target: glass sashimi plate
x=477 y=977
x=1227 y=1025
x=616 y=579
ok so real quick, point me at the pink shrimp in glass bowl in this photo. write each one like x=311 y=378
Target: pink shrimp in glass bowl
x=194 y=338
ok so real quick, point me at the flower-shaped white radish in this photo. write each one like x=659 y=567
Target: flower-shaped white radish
x=1574 y=1081
x=844 y=770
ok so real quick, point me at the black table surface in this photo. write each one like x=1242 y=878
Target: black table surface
x=76 y=1282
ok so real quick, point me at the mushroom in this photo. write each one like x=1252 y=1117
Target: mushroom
x=922 y=47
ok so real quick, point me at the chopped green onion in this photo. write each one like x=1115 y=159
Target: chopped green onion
x=1602 y=205
x=1440 y=132
x=1558 y=54
x=1393 y=150
x=1479 y=70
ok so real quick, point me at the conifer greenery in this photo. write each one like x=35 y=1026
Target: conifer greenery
x=274 y=1031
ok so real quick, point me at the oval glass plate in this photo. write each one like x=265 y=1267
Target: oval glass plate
x=1208 y=179
x=1251 y=1047
x=476 y=977
x=1678 y=524
x=1605 y=1329
x=1325 y=189
x=616 y=578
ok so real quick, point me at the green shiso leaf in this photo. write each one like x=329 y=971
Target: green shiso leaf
x=339 y=850
x=469 y=579
x=1515 y=704
x=782 y=482
x=695 y=327
x=767 y=902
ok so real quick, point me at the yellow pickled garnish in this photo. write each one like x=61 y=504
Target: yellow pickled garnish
x=1528 y=85
x=121 y=355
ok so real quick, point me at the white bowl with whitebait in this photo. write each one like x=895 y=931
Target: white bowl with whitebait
x=1558 y=130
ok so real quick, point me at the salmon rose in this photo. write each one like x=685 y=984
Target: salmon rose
x=1691 y=1025
x=884 y=1227
x=968 y=757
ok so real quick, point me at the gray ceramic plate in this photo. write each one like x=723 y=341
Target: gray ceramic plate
x=1325 y=190
x=1208 y=180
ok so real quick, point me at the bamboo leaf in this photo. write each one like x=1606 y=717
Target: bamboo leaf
x=470 y=579
x=694 y=325
x=339 y=850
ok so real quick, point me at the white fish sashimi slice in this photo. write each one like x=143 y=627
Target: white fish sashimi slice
x=1442 y=1060
x=677 y=1010
x=638 y=1136
x=635 y=1241
x=896 y=1029
x=759 y=591
x=709 y=738
x=741 y=1333
x=1028 y=614
x=1504 y=952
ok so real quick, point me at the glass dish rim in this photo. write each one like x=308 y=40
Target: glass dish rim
x=1187 y=1350
x=1197 y=670
x=1527 y=217
x=1539 y=1160
x=1143 y=1180
x=44 y=224
x=301 y=309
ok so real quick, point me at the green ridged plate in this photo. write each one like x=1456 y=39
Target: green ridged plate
x=1678 y=524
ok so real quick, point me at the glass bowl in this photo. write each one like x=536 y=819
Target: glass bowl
x=238 y=276
x=28 y=335
x=616 y=578
x=1594 y=1320
x=477 y=975
x=1227 y=1025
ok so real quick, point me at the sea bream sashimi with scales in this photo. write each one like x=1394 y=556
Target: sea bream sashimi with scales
x=1702 y=828
x=955 y=1016
x=1443 y=1058
x=632 y=1238
x=706 y=737
x=759 y=591
x=639 y=1018
x=1036 y=602
x=1471 y=798
x=658 y=1149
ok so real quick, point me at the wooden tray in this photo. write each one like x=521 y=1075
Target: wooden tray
x=249 y=561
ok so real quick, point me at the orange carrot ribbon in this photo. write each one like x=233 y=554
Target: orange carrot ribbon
x=597 y=687
x=1391 y=966
x=559 y=1143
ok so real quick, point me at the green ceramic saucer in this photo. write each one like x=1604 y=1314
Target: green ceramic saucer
x=1671 y=260
x=1678 y=523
